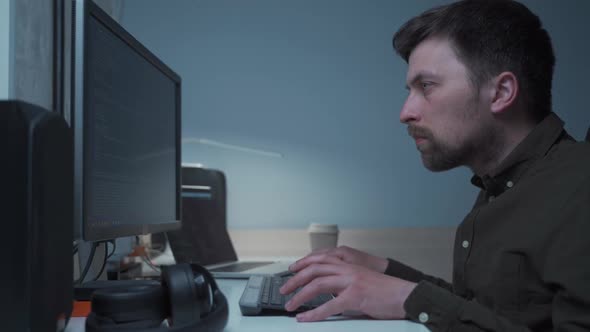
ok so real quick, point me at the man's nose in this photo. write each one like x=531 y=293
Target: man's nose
x=409 y=112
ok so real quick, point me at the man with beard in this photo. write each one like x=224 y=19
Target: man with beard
x=479 y=81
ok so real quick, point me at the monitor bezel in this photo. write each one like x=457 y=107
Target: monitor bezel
x=83 y=11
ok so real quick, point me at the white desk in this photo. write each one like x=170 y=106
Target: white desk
x=233 y=290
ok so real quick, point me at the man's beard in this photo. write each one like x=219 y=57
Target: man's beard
x=438 y=156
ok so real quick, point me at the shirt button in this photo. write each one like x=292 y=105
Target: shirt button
x=491 y=198
x=509 y=184
x=465 y=244
x=423 y=317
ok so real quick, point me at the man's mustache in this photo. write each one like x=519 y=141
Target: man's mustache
x=419 y=132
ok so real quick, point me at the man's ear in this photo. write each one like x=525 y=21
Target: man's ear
x=505 y=91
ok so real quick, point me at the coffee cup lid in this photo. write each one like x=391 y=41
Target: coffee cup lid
x=323 y=228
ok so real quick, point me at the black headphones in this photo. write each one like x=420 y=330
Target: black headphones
x=188 y=297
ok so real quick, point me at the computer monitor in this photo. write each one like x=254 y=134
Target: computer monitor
x=126 y=119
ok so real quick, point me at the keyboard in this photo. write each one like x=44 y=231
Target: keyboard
x=262 y=295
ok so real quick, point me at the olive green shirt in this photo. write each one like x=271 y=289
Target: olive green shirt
x=521 y=258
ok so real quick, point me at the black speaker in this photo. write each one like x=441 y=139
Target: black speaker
x=188 y=297
x=36 y=218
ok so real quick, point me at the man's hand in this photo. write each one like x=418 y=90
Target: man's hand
x=345 y=254
x=356 y=288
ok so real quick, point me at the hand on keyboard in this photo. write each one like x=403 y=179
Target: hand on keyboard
x=262 y=295
x=357 y=288
x=347 y=255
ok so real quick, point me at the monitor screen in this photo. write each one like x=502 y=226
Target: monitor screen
x=126 y=132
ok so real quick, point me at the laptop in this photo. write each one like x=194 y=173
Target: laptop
x=204 y=238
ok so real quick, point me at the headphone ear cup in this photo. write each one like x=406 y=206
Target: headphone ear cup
x=136 y=307
x=188 y=296
x=179 y=282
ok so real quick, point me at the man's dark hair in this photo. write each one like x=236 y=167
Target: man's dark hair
x=490 y=37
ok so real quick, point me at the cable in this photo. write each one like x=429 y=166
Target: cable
x=88 y=263
x=114 y=243
x=146 y=258
x=106 y=256
x=75 y=247
x=148 y=261
x=104 y=262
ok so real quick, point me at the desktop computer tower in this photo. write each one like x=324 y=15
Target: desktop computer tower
x=36 y=219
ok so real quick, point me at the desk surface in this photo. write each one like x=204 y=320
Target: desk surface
x=233 y=288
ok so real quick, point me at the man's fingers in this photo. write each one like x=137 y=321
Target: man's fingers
x=333 y=307
x=320 y=285
x=315 y=253
x=306 y=275
x=321 y=258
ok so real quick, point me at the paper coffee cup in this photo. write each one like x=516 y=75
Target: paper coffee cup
x=322 y=236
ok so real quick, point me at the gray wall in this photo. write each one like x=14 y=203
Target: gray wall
x=33 y=51
x=305 y=96
x=26 y=51
x=5 y=47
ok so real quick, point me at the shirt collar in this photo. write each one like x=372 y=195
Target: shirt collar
x=534 y=146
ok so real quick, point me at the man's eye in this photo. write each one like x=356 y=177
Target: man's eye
x=425 y=85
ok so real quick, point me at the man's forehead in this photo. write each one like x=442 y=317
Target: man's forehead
x=431 y=50
x=432 y=58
